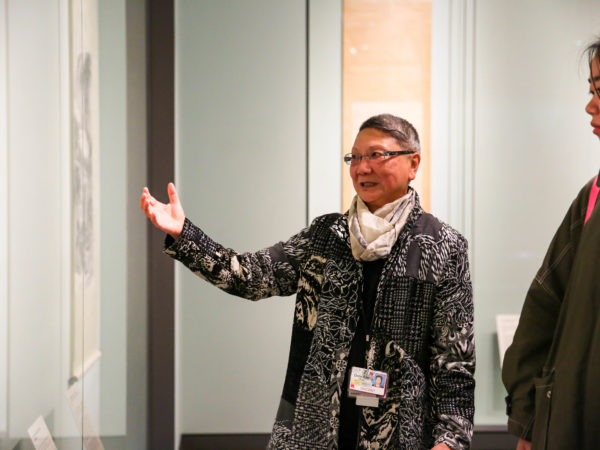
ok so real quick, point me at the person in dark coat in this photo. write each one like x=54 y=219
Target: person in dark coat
x=384 y=287
x=552 y=369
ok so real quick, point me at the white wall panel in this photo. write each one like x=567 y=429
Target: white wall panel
x=512 y=148
x=3 y=220
x=534 y=150
x=324 y=107
x=241 y=162
x=113 y=219
x=34 y=219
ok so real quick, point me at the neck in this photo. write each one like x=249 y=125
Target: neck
x=375 y=206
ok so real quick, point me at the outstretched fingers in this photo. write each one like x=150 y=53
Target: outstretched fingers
x=143 y=197
x=166 y=217
x=147 y=201
x=173 y=197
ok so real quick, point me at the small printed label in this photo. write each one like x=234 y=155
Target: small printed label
x=40 y=435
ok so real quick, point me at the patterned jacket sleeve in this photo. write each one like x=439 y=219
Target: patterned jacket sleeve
x=452 y=364
x=268 y=272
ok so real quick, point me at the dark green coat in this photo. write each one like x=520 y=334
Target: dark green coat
x=555 y=401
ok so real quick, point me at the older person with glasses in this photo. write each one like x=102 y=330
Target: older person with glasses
x=384 y=289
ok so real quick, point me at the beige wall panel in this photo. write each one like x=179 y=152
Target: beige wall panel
x=387 y=62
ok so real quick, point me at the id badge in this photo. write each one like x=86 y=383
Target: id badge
x=368 y=386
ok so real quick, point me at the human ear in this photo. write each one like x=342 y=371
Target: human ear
x=415 y=161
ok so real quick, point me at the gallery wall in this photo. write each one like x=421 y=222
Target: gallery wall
x=532 y=150
x=510 y=147
x=258 y=132
x=3 y=225
x=241 y=164
x=35 y=218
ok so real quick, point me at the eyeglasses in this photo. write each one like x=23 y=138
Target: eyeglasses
x=354 y=159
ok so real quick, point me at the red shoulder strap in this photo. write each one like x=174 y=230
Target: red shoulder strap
x=592 y=199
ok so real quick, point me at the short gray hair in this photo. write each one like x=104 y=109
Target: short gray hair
x=400 y=129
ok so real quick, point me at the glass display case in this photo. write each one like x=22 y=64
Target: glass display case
x=72 y=277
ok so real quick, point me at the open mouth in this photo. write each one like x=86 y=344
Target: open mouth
x=367 y=184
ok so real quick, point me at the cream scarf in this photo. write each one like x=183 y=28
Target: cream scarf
x=372 y=235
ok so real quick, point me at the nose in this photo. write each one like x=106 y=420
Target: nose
x=363 y=166
x=593 y=106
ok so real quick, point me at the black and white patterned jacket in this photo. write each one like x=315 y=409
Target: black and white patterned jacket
x=422 y=332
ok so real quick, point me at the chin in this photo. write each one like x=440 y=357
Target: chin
x=367 y=200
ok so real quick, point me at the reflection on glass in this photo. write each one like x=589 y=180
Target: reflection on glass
x=64 y=294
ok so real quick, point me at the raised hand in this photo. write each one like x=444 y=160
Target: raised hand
x=168 y=218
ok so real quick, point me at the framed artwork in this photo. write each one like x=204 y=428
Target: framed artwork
x=386 y=68
x=85 y=197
